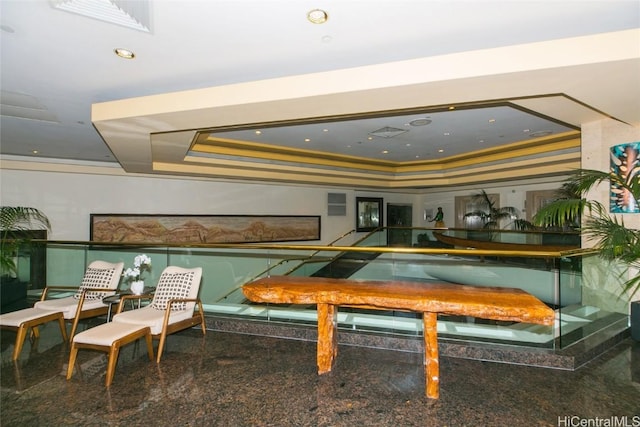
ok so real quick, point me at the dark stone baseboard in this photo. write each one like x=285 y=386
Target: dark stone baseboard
x=569 y=358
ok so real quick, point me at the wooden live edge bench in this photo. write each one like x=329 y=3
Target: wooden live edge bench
x=427 y=298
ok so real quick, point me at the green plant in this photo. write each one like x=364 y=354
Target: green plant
x=489 y=214
x=613 y=240
x=16 y=219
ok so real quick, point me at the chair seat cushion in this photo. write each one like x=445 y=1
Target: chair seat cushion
x=68 y=305
x=16 y=318
x=149 y=316
x=106 y=334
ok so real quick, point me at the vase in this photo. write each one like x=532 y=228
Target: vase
x=137 y=287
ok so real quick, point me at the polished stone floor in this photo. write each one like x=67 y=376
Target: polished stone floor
x=229 y=379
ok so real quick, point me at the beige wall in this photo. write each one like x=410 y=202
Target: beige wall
x=602 y=288
x=69 y=193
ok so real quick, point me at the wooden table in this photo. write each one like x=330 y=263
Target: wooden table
x=430 y=299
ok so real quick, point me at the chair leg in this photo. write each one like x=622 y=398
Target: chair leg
x=21 y=335
x=202 y=324
x=163 y=338
x=72 y=360
x=63 y=328
x=74 y=327
x=149 y=340
x=111 y=365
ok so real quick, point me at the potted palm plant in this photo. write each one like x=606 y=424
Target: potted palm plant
x=612 y=239
x=491 y=216
x=15 y=225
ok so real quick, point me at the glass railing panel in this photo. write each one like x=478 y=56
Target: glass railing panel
x=461 y=270
x=569 y=284
x=601 y=305
x=505 y=239
x=377 y=238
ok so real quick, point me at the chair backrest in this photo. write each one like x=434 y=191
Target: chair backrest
x=103 y=275
x=177 y=282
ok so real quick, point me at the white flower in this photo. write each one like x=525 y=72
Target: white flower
x=141 y=263
x=131 y=272
x=141 y=260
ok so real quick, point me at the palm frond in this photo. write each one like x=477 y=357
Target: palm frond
x=524 y=225
x=562 y=212
x=17 y=218
x=614 y=240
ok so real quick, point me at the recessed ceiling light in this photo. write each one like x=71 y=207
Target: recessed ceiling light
x=385 y=151
x=317 y=16
x=441 y=151
x=124 y=53
x=307 y=140
x=258 y=132
x=446 y=133
x=423 y=121
x=492 y=120
x=34 y=151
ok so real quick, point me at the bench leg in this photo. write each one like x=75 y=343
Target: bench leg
x=431 y=363
x=21 y=334
x=114 y=351
x=327 y=337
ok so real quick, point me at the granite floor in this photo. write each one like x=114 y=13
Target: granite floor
x=230 y=379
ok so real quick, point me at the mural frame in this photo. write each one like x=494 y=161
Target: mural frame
x=202 y=229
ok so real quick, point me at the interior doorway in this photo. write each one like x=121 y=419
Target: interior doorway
x=399 y=223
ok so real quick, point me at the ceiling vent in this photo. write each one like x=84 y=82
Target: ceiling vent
x=127 y=13
x=24 y=106
x=388 y=132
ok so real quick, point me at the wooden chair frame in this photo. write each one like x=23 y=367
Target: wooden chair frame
x=170 y=328
x=80 y=314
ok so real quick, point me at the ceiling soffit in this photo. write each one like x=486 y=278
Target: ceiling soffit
x=156 y=134
x=555 y=155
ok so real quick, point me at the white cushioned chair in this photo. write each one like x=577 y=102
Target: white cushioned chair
x=172 y=308
x=100 y=280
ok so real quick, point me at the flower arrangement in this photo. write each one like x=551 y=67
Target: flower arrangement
x=133 y=276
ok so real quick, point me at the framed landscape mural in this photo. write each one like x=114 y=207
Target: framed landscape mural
x=185 y=229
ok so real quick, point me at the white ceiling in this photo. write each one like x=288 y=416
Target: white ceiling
x=55 y=65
